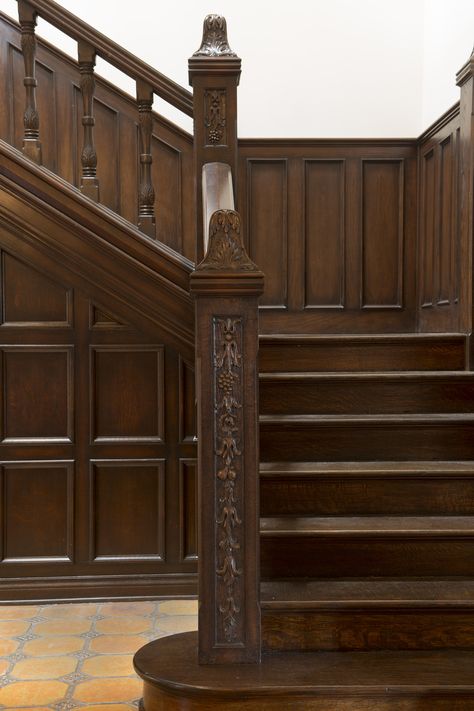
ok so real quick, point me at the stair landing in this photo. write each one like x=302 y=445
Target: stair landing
x=382 y=681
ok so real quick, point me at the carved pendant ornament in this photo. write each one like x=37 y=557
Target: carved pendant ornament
x=214 y=117
x=225 y=250
x=228 y=466
x=214 y=38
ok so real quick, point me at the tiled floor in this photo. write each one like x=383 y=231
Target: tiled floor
x=79 y=656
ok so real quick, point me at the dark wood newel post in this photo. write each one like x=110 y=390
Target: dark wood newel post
x=89 y=181
x=465 y=80
x=146 y=192
x=214 y=73
x=226 y=286
x=31 y=143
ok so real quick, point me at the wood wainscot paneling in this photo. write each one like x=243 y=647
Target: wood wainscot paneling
x=439 y=256
x=115 y=136
x=332 y=223
x=97 y=458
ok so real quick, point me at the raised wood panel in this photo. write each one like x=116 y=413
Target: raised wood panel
x=31 y=298
x=166 y=176
x=187 y=403
x=188 y=508
x=428 y=226
x=127 y=393
x=441 y=271
x=127 y=509
x=46 y=103
x=38 y=510
x=37 y=393
x=324 y=233
x=99 y=319
x=382 y=234
x=267 y=226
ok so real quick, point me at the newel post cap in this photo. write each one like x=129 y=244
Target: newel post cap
x=214 y=56
x=466 y=71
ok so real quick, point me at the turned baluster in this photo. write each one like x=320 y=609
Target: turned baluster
x=146 y=193
x=31 y=143
x=89 y=184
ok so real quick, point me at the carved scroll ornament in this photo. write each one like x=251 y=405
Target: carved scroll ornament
x=214 y=38
x=225 y=249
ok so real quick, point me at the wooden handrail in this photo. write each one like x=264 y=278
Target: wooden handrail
x=119 y=57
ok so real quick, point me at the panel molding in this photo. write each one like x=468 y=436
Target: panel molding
x=397 y=303
x=68 y=466
x=341 y=237
x=251 y=240
x=158 y=437
x=37 y=348
x=185 y=516
x=160 y=466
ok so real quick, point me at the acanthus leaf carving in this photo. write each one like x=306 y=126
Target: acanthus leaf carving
x=215 y=116
x=225 y=249
x=214 y=38
x=228 y=455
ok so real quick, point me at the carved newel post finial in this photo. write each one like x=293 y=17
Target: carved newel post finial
x=214 y=38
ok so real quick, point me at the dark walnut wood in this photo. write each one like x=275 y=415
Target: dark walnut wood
x=226 y=286
x=89 y=182
x=214 y=73
x=31 y=143
x=146 y=192
x=390 y=681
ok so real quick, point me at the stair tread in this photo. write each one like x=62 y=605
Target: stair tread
x=367 y=526
x=308 y=594
x=362 y=375
x=357 y=337
x=377 y=418
x=171 y=663
x=435 y=469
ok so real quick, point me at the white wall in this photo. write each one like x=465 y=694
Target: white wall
x=448 y=41
x=321 y=68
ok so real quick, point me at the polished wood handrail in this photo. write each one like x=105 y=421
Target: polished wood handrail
x=119 y=57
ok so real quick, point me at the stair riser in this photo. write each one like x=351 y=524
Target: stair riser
x=357 y=557
x=445 y=354
x=347 y=397
x=390 y=629
x=307 y=496
x=344 y=441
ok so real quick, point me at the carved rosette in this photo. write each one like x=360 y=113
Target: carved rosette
x=214 y=38
x=214 y=117
x=228 y=467
x=225 y=250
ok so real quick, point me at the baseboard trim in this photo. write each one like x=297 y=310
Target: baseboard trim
x=97 y=588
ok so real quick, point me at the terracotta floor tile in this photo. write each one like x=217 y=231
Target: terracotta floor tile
x=53 y=646
x=24 y=693
x=178 y=607
x=13 y=628
x=85 y=609
x=117 y=644
x=108 y=690
x=18 y=612
x=63 y=627
x=109 y=665
x=8 y=646
x=128 y=608
x=177 y=624
x=4 y=664
x=123 y=624
x=44 y=668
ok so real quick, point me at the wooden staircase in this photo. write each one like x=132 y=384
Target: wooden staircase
x=336 y=465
